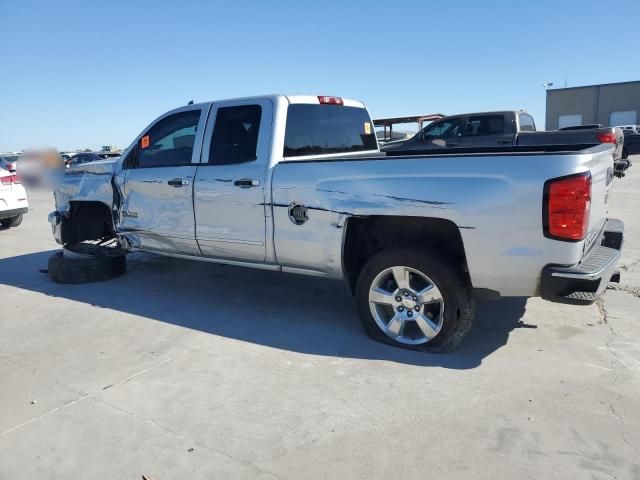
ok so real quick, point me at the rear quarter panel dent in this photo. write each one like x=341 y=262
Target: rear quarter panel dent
x=496 y=201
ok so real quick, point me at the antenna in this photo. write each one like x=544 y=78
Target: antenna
x=565 y=79
x=191 y=101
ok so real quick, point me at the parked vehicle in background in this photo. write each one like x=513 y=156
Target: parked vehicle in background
x=297 y=184
x=631 y=128
x=496 y=129
x=582 y=127
x=13 y=199
x=631 y=144
x=8 y=162
x=108 y=154
x=84 y=157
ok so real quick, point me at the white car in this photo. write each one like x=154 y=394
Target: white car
x=13 y=199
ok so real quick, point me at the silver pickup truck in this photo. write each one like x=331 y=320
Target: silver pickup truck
x=297 y=184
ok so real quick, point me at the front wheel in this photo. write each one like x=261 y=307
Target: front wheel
x=11 y=222
x=86 y=262
x=415 y=299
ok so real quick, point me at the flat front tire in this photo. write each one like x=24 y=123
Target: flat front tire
x=85 y=263
x=415 y=298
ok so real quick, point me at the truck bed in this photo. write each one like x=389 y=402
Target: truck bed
x=457 y=152
x=494 y=196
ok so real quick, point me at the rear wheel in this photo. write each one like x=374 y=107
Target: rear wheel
x=416 y=299
x=86 y=262
x=11 y=222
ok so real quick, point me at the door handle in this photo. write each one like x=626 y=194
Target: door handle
x=452 y=144
x=178 y=182
x=246 y=183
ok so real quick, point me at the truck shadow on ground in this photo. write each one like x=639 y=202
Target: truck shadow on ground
x=285 y=311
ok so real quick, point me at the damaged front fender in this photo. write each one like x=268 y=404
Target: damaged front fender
x=84 y=199
x=86 y=182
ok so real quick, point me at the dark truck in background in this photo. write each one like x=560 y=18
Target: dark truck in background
x=631 y=145
x=499 y=129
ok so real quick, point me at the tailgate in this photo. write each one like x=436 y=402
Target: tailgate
x=601 y=167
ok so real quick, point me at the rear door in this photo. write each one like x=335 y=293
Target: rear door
x=229 y=191
x=157 y=205
x=486 y=130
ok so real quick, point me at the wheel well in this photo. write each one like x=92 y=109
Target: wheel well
x=367 y=236
x=87 y=221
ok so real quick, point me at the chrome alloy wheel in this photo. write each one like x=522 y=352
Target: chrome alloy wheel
x=407 y=305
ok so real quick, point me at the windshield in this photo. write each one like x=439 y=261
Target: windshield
x=441 y=129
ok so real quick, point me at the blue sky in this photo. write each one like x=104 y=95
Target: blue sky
x=83 y=74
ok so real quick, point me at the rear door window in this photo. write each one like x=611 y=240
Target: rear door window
x=480 y=125
x=235 y=135
x=323 y=129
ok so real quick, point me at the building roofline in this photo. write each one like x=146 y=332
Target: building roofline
x=594 y=85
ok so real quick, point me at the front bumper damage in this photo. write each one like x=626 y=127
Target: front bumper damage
x=584 y=282
x=55 y=220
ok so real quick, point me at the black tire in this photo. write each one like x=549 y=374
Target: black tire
x=85 y=263
x=446 y=275
x=625 y=154
x=11 y=222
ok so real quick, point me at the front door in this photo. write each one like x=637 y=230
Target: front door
x=229 y=191
x=156 y=212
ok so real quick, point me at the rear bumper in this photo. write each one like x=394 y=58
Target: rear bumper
x=620 y=166
x=14 y=212
x=585 y=281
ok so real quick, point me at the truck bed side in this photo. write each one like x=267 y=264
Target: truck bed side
x=571 y=137
x=494 y=200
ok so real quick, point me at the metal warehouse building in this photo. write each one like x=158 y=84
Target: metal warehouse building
x=610 y=104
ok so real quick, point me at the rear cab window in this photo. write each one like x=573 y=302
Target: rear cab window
x=321 y=129
x=526 y=123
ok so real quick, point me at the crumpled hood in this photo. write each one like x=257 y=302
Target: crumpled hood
x=99 y=166
x=88 y=182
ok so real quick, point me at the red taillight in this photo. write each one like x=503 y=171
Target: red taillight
x=567 y=202
x=9 y=180
x=330 y=100
x=607 y=137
